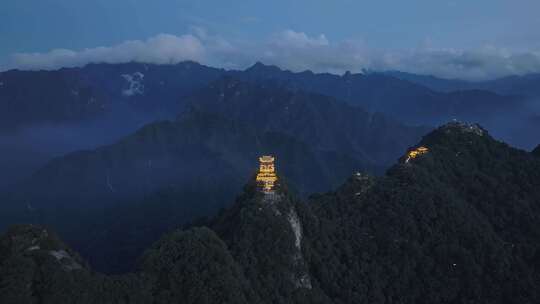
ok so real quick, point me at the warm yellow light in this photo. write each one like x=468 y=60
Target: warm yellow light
x=415 y=153
x=267 y=175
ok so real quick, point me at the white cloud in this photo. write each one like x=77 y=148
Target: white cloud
x=485 y=63
x=290 y=38
x=161 y=49
x=296 y=51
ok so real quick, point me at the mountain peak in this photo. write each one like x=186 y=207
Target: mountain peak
x=456 y=133
x=459 y=153
x=454 y=146
x=457 y=126
x=264 y=230
x=257 y=65
x=266 y=186
x=261 y=67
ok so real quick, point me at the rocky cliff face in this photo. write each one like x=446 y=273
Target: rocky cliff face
x=264 y=233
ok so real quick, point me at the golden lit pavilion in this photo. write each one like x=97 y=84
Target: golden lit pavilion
x=267 y=173
x=416 y=152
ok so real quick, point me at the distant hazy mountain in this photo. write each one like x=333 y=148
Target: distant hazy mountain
x=46 y=114
x=459 y=224
x=318 y=120
x=526 y=85
x=401 y=99
x=78 y=94
x=517 y=123
x=508 y=117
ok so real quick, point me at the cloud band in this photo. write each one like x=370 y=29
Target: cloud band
x=295 y=51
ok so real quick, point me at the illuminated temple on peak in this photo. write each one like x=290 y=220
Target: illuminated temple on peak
x=415 y=153
x=266 y=177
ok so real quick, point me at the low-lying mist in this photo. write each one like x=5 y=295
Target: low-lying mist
x=26 y=149
x=519 y=128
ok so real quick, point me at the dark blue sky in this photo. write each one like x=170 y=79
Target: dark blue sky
x=401 y=30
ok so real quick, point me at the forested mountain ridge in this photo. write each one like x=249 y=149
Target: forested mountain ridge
x=401 y=99
x=72 y=95
x=459 y=223
x=47 y=114
x=204 y=156
x=95 y=198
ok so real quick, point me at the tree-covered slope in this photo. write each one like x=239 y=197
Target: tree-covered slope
x=264 y=233
x=172 y=171
x=36 y=267
x=536 y=151
x=194 y=266
x=458 y=224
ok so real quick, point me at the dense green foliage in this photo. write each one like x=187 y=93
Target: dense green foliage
x=460 y=224
x=35 y=267
x=536 y=151
x=194 y=265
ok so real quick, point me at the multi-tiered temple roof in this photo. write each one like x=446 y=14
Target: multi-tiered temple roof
x=267 y=174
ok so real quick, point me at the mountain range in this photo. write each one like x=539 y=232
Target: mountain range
x=204 y=156
x=47 y=114
x=525 y=85
x=457 y=224
x=508 y=107
x=401 y=99
x=96 y=90
x=92 y=151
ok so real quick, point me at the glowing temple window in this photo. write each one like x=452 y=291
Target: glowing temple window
x=267 y=173
x=416 y=152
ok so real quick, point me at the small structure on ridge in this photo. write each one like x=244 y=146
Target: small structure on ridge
x=267 y=177
x=415 y=153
